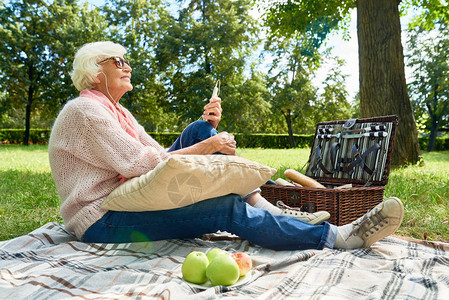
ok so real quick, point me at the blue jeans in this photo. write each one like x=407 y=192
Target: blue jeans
x=227 y=213
x=194 y=133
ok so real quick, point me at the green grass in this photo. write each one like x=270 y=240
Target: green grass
x=280 y=159
x=424 y=191
x=29 y=198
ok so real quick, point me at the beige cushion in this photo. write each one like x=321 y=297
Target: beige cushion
x=185 y=179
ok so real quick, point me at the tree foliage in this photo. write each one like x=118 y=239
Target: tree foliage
x=38 y=43
x=176 y=55
x=429 y=88
x=140 y=26
x=333 y=103
x=289 y=78
x=296 y=57
x=380 y=53
x=210 y=40
x=313 y=18
x=430 y=11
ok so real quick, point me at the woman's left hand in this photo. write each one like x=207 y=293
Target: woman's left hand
x=212 y=111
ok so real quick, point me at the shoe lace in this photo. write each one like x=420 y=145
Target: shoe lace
x=368 y=224
x=281 y=204
x=290 y=210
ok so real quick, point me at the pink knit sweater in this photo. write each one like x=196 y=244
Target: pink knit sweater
x=88 y=149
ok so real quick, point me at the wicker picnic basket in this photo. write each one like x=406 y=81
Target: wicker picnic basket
x=356 y=152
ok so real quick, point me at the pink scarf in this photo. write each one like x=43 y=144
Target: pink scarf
x=122 y=117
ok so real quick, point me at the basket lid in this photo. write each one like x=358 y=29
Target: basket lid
x=354 y=151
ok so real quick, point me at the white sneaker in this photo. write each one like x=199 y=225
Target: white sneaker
x=312 y=218
x=382 y=221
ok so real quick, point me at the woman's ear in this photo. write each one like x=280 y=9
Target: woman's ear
x=97 y=79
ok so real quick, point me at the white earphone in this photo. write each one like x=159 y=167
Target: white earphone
x=107 y=89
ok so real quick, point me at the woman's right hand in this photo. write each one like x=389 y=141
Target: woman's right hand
x=224 y=142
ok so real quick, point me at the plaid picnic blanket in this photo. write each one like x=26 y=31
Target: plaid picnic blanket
x=49 y=263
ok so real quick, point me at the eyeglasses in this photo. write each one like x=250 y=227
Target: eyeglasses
x=118 y=61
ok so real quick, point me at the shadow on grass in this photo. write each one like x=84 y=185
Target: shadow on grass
x=29 y=148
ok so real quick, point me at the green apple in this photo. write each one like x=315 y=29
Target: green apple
x=214 y=252
x=223 y=270
x=194 y=267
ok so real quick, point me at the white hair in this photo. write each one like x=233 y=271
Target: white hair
x=85 y=65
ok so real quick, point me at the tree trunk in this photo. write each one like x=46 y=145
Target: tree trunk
x=288 y=119
x=433 y=134
x=383 y=89
x=28 y=117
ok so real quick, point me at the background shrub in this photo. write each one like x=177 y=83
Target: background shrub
x=244 y=140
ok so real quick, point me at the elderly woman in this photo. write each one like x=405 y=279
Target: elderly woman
x=96 y=144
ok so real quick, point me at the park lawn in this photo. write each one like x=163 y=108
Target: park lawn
x=29 y=198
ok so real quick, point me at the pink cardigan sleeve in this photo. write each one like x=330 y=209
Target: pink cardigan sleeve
x=109 y=145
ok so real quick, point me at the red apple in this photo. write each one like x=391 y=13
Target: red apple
x=244 y=262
